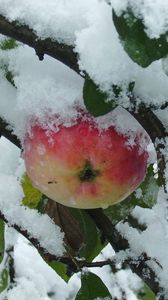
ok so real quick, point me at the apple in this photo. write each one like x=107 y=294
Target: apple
x=82 y=166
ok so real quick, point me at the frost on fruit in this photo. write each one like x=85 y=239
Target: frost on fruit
x=85 y=166
x=41 y=149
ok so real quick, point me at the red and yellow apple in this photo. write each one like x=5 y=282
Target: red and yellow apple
x=84 y=167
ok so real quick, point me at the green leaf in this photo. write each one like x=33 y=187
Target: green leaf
x=7 y=44
x=42 y=204
x=135 y=40
x=146 y=294
x=121 y=210
x=32 y=195
x=2 y=240
x=149 y=188
x=7 y=74
x=93 y=244
x=3 y=280
x=60 y=269
x=131 y=87
x=9 y=77
x=96 y=101
x=92 y=287
x=149 y=191
x=51 y=294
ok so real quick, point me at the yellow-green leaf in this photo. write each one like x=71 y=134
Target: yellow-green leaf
x=32 y=195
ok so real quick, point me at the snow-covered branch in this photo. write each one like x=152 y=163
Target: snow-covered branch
x=6 y=131
x=140 y=265
x=24 y=34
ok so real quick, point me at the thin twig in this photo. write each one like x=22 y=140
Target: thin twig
x=140 y=266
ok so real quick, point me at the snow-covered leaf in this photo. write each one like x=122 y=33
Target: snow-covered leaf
x=149 y=189
x=145 y=196
x=2 y=240
x=96 y=101
x=7 y=44
x=141 y=49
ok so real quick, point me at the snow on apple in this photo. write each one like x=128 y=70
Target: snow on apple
x=84 y=166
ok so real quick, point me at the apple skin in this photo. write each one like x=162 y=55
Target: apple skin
x=83 y=167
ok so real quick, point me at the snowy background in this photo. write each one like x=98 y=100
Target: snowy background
x=50 y=87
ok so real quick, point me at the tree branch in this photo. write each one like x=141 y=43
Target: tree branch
x=140 y=266
x=33 y=240
x=7 y=133
x=156 y=131
x=24 y=34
